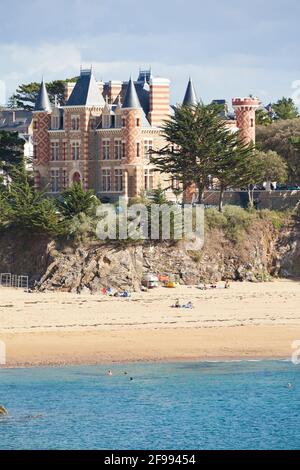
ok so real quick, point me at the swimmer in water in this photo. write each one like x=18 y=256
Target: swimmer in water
x=3 y=411
x=109 y=373
x=290 y=385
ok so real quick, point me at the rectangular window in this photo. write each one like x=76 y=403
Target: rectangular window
x=148 y=145
x=123 y=150
x=54 y=151
x=64 y=150
x=75 y=150
x=138 y=149
x=105 y=149
x=149 y=179
x=35 y=151
x=138 y=122
x=106 y=121
x=65 y=179
x=123 y=122
x=106 y=180
x=55 y=181
x=35 y=125
x=75 y=123
x=118 y=180
x=118 y=149
x=55 y=122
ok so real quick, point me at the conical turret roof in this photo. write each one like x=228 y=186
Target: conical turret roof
x=42 y=102
x=131 y=99
x=190 y=97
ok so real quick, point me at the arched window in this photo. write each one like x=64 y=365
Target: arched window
x=76 y=177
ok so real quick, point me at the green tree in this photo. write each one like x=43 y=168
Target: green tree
x=26 y=94
x=285 y=108
x=263 y=118
x=192 y=136
x=273 y=167
x=282 y=137
x=11 y=150
x=29 y=210
x=75 y=200
x=234 y=166
x=158 y=196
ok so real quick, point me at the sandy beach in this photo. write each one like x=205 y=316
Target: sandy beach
x=247 y=321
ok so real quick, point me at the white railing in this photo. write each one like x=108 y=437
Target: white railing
x=14 y=280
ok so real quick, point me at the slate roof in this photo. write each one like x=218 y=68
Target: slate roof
x=131 y=99
x=190 y=97
x=42 y=102
x=86 y=91
x=15 y=120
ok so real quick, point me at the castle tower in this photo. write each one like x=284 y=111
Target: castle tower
x=190 y=97
x=159 y=101
x=41 y=124
x=134 y=120
x=84 y=102
x=245 y=109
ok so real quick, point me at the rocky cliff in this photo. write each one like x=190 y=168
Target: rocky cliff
x=262 y=252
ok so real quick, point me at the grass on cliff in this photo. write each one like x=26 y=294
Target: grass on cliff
x=235 y=221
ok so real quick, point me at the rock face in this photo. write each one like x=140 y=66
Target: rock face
x=288 y=253
x=95 y=268
x=261 y=252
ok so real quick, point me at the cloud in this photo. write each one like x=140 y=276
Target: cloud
x=223 y=76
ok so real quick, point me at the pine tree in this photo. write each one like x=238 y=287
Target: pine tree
x=192 y=144
x=75 y=200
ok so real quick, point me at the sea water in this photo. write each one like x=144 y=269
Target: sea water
x=200 y=405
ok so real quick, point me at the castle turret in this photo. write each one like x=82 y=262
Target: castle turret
x=41 y=124
x=133 y=120
x=42 y=103
x=190 y=97
x=245 y=116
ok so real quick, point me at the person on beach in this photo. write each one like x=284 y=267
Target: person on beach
x=177 y=303
x=227 y=285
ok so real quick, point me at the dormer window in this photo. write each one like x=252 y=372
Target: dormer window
x=106 y=121
x=55 y=122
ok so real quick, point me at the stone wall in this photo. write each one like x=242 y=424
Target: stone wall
x=275 y=200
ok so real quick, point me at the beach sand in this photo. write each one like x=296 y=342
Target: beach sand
x=247 y=321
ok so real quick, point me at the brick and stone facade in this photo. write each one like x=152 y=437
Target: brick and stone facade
x=102 y=137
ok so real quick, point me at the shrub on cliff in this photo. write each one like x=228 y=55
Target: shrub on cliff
x=75 y=200
x=27 y=210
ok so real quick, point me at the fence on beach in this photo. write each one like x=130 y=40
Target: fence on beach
x=14 y=280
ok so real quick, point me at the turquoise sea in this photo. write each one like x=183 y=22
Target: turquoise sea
x=207 y=405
